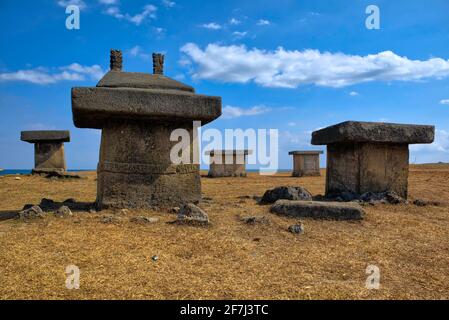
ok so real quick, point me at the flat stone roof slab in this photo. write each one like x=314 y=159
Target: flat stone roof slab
x=355 y=131
x=118 y=79
x=92 y=107
x=225 y=152
x=45 y=136
x=305 y=152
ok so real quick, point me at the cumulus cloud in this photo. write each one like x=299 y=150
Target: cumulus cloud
x=239 y=34
x=441 y=143
x=137 y=51
x=230 y=112
x=64 y=3
x=263 y=22
x=234 y=21
x=353 y=93
x=168 y=3
x=290 y=69
x=211 y=26
x=444 y=101
x=108 y=2
x=148 y=12
x=44 y=76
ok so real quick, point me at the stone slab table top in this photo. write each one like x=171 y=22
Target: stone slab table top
x=306 y=152
x=357 y=131
x=45 y=136
x=318 y=210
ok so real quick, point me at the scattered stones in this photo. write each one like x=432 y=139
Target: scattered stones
x=155 y=258
x=175 y=210
x=109 y=220
x=63 y=212
x=35 y=212
x=286 y=193
x=382 y=197
x=296 y=228
x=17 y=178
x=92 y=210
x=255 y=220
x=191 y=214
x=143 y=220
x=424 y=203
x=318 y=210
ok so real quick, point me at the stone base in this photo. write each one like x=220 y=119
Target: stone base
x=367 y=167
x=227 y=170
x=135 y=169
x=49 y=156
x=306 y=165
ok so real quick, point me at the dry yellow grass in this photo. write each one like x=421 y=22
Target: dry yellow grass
x=229 y=260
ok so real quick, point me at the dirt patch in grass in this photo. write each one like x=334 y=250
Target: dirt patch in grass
x=230 y=259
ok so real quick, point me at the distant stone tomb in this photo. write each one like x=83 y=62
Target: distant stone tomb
x=369 y=156
x=228 y=163
x=137 y=113
x=48 y=149
x=306 y=163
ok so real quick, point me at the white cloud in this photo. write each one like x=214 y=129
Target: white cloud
x=353 y=93
x=148 y=12
x=168 y=3
x=444 y=101
x=64 y=3
x=108 y=2
x=211 y=26
x=234 y=21
x=290 y=69
x=239 y=34
x=291 y=124
x=263 y=22
x=441 y=143
x=230 y=112
x=43 y=76
x=137 y=51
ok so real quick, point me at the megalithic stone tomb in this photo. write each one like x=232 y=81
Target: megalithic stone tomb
x=48 y=149
x=137 y=113
x=369 y=156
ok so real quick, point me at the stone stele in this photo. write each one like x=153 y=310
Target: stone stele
x=48 y=149
x=369 y=156
x=137 y=113
x=306 y=163
x=227 y=163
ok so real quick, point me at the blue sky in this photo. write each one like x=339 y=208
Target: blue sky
x=294 y=66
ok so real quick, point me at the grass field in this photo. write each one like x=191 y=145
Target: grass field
x=229 y=259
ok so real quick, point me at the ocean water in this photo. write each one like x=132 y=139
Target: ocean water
x=28 y=171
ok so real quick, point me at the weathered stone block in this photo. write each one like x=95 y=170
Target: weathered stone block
x=228 y=163
x=306 y=163
x=318 y=210
x=369 y=157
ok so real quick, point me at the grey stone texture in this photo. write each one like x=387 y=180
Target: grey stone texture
x=228 y=163
x=137 y=113
x=286 y=193
x=48 y=149
x=369 y=156
x=306 y=163
x=318 y=210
